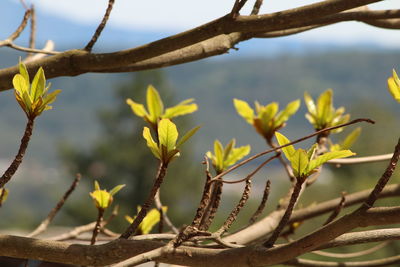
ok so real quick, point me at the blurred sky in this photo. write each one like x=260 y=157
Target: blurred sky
x=178 y=15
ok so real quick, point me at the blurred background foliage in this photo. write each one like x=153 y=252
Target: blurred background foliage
x=93 y=131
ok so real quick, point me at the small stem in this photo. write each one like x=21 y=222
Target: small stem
x=8 y=174
x=288 y=212
x=163 y=216
x=337 y=210
x=262 y=204
x=97 y=227
x=162 y=170
x=43 y=226
x=212 y=207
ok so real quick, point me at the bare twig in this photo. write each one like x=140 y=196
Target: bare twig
x=337 y=210
x=162 y=170
x=213 y=205
x=237 y=7
x=234 y=213
x=8 y=174
x=352 y=254
x=164 y=215
x=48 y=47
x=32 y=36
x=101 y=26
x=45 y=223
x=97 y=226
x=256 y=7
x=262 y=204
x=21 y=27
x=368 y=159
x=250 y=175
x=312 y=263
x=384 y=178
x=288 y=212
x=32 y=50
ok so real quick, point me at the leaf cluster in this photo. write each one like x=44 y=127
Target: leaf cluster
x=224 y=157
x=33 y=98
x=305 y=162
x=266 y=119
x=102 y=198
x=322 y=114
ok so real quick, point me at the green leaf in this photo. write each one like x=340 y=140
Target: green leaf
x=102 y=198
x=183 y=108
x=350 y=139
x=282 y=140
x=324 y=106
x=24 y=72
x=219 y=154
x=237 y=154
x=311 y=151
x=38 y=85
x=116 y=189
x=188 y=135
x=268 y=112
x=96 y=185
x=310 y=104
x=394 y=86
x=299 y=162
x=154 y=104
x=167 y=134
x=229 y=148
x=315 y=163
x=285 y=114
x=137 y=109
x=244 y=110
x=19 y=84
x=150 y=143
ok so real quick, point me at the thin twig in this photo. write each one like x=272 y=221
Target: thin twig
x=264 y=199
x=213 y=205
x=234 y=167
x=8 y=174
x=97 y=226
x=288 y=212
x=162 y=170
x=353 y=254
x=384 y=178
x=45 y=223
x=250 y=175
x=234 y=213
x=369 y=263
x=256 y=7
x=32 y=50
x=21 y=27
x=337 y=210
x=163 y=215
x=357 y=160
x=101 y=26
x=32 y=36
x=237 y=7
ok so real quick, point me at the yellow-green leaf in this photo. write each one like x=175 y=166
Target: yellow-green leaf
x=244 y=110
x=183 y=108
x=19 y=84
x=4 y=192
x=137 y=109
x=287 y=150
x=188 y=135
x=310 y=104
x=268 y=112
x=285 y=114
x=351 y=138
x=219 y=154
x=315 y=163
x=324 y=105
x=237 y=154
x=167 y=134
x=38 y=85
x=151 y=143
x=394 y=86
x=299 y=162
x=101 y=198
x=229 y=148
x=154 y=104
x=116 y=189
x=24 y=72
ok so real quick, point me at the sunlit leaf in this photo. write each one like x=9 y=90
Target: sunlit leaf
x=24 y=72
x=311 y=151
x=154 y=104
x=138 y=109
x=269 y=112
x=116 y=189
x=282 y=140
x=183 y=108
x=324 y=105
x=151 y=143
x=167 y=134
x=351 y=138
x=237 y=154
x=394 y=86
x=187 y=136
x=19 y=84
x=228 y=148
x=244 y=110
x=219 y=154
x=315 y=163
x=285 y=114
x=38 y=85
x=299 y=162
x=310 y=104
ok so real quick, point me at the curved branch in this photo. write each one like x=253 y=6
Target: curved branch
x=369 y=263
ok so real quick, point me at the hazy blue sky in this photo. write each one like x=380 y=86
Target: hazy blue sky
x=178 y=15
